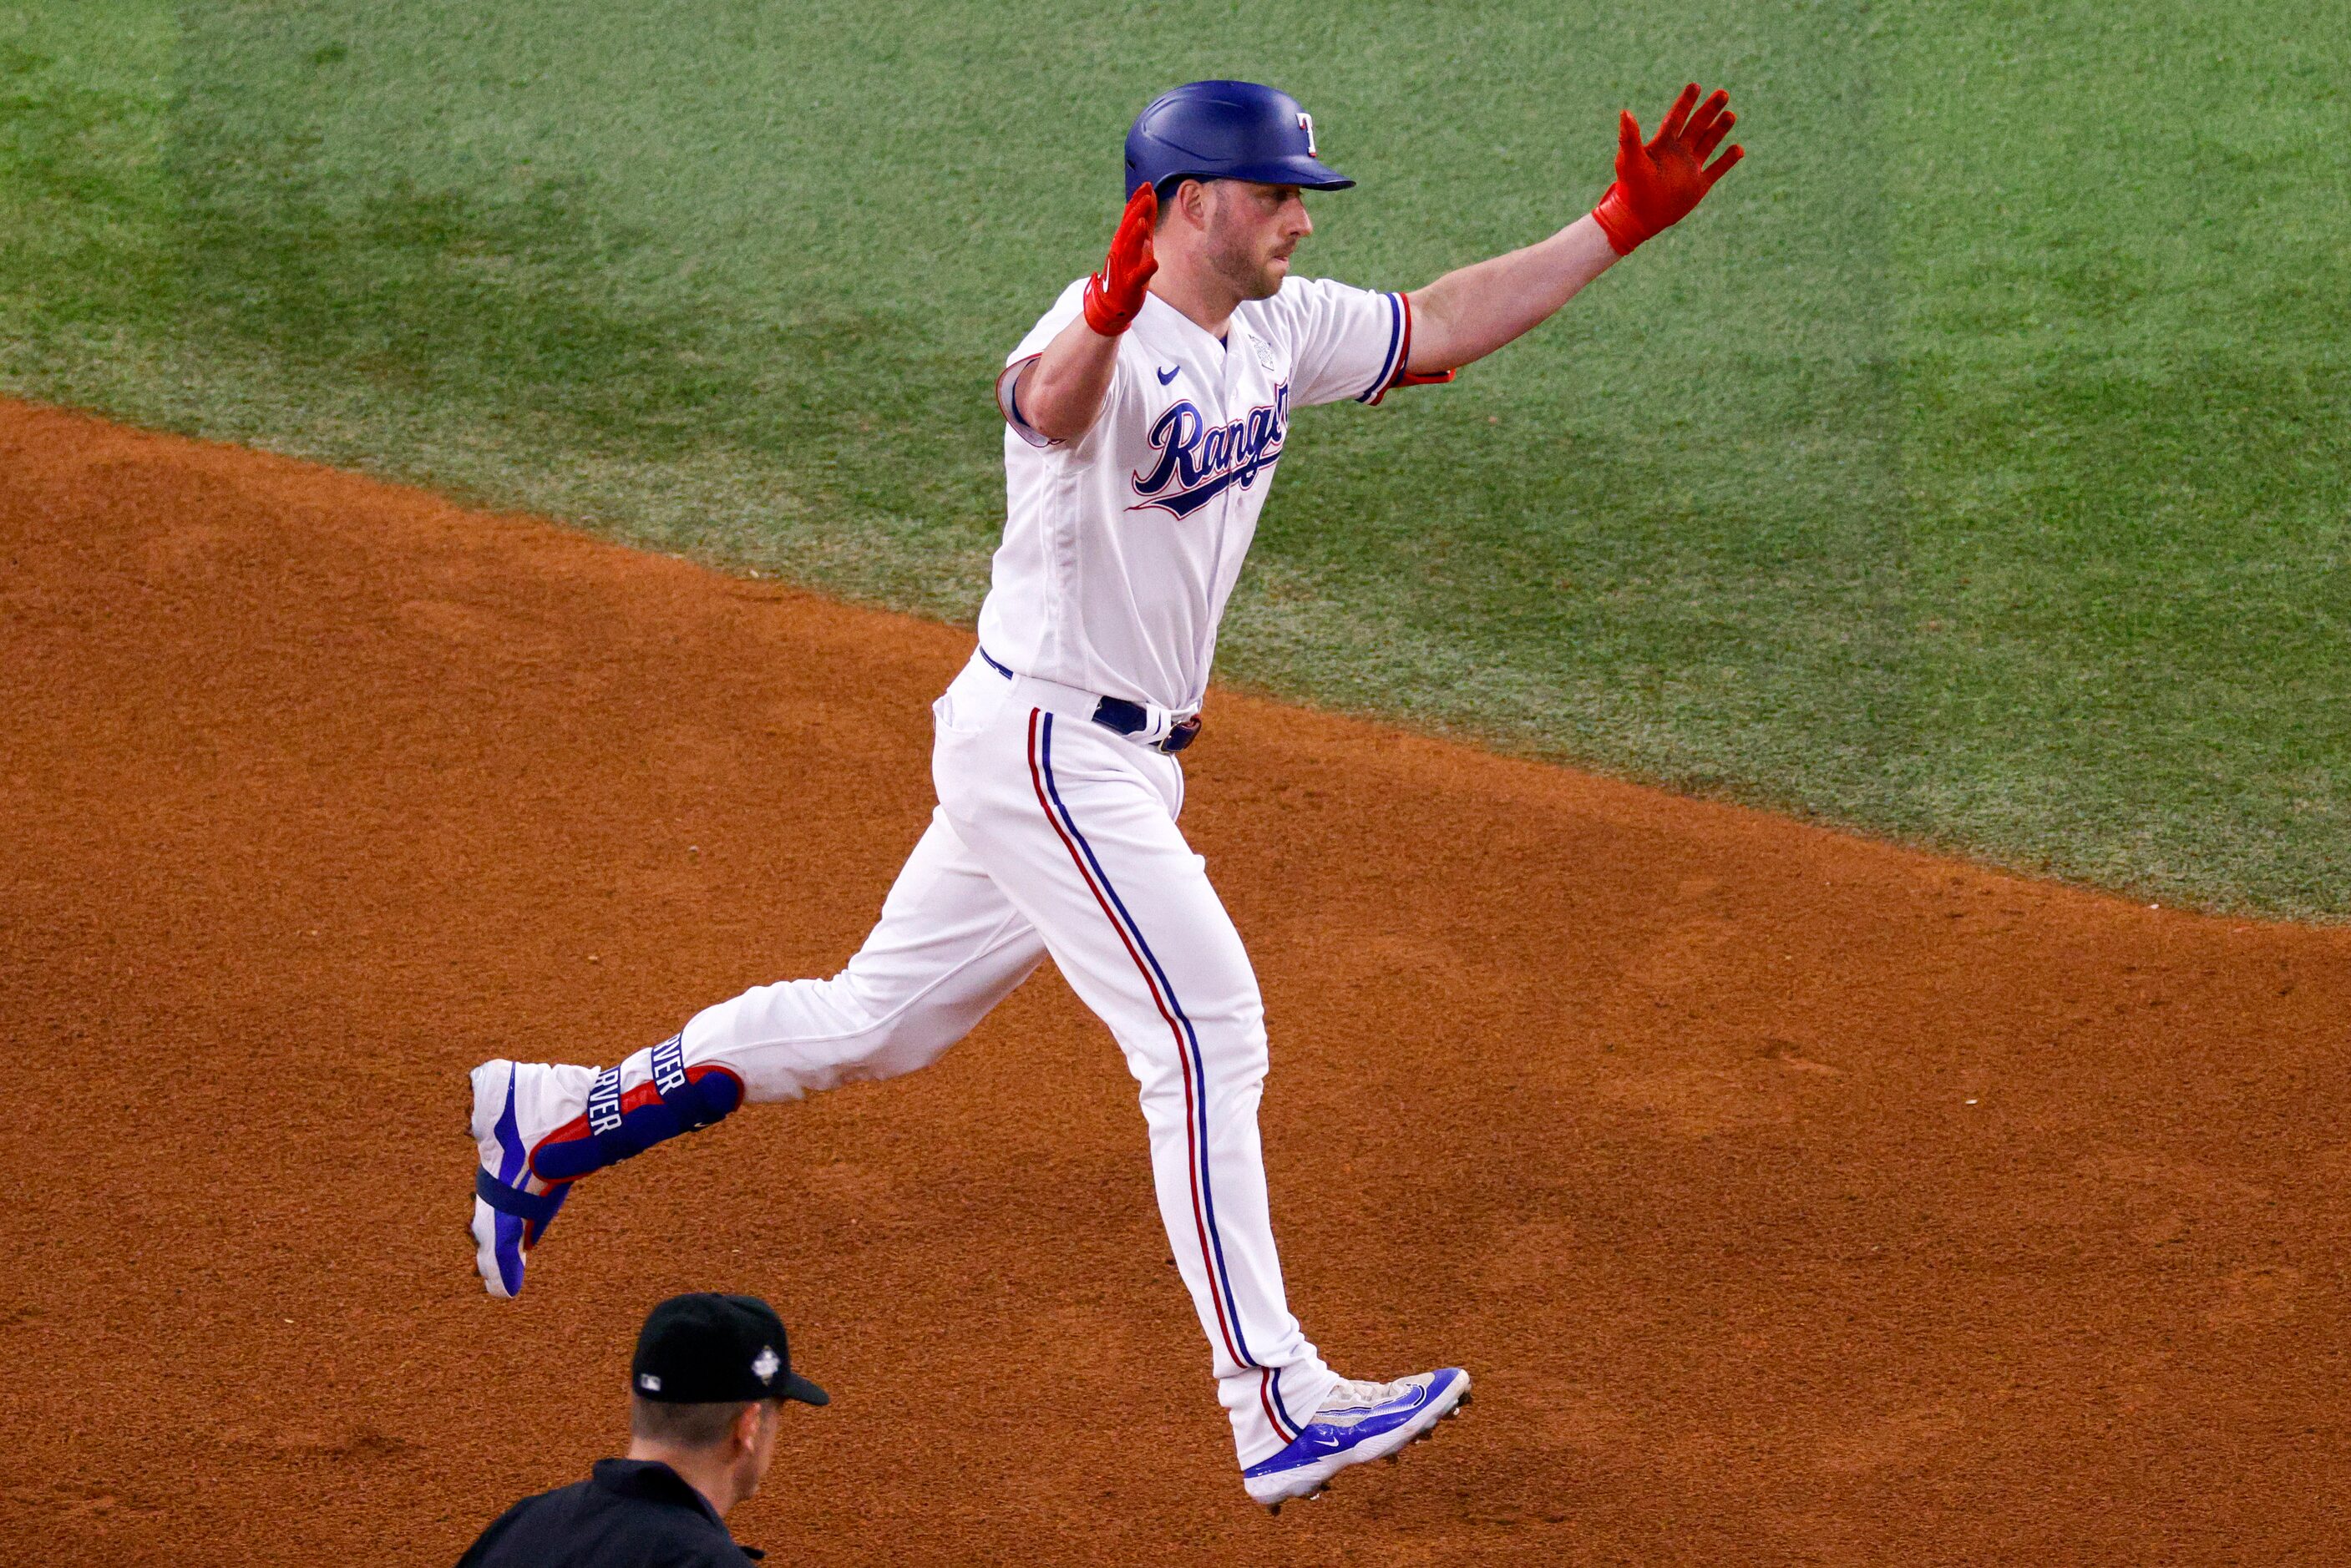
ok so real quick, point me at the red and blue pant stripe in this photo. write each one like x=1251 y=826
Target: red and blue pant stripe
x=1190 y=1058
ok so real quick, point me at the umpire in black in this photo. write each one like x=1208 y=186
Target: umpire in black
x=708 y=1385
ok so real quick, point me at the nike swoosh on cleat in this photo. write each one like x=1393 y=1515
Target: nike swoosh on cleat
x=1169 y=374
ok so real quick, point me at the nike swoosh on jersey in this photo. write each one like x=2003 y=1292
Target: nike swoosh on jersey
x=1169 y=374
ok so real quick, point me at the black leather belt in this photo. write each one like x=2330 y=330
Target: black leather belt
x=1126 y=718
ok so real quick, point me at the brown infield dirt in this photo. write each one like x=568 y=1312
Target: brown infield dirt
x=1792 y=1198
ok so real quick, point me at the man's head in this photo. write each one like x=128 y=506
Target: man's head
x=708 y=1381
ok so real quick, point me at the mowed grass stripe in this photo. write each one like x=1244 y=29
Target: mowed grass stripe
x=2126 y=439
x=1970 y=470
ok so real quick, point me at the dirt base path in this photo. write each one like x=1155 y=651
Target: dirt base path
x=1792 y=1198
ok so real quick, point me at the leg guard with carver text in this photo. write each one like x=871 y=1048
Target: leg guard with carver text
x=622 y=1122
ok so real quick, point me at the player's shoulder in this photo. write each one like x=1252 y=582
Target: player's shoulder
x=1066 y=308
x=1295 y=289
x=1301 y=300
x=1295 y=293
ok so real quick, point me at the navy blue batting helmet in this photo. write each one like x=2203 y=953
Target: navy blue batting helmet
x=1226 y=130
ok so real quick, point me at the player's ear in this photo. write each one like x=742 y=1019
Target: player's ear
x=1195 y=198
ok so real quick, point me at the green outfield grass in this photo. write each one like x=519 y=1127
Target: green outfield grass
x=1974 y=468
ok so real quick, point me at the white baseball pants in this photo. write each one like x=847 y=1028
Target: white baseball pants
x=1054 y=835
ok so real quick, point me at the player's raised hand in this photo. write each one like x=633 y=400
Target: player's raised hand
x=1657 y=184
x=1115 y=293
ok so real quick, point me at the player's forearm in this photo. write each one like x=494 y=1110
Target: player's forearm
x=1060 y=395
x=1471 y=312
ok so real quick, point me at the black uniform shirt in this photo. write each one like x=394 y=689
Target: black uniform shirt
x=631 y=1513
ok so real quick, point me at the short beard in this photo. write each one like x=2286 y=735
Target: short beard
x=1246 y=275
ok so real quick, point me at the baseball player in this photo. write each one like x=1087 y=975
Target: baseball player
x=1144 y=415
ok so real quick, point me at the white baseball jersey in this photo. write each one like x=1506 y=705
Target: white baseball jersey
x=1120 y=548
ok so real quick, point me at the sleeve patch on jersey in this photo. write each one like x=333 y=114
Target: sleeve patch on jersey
x=1399 y=338
x=1404 y=375
x=1007 y=402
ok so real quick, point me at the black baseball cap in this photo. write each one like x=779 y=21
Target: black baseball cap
x=707 y=1348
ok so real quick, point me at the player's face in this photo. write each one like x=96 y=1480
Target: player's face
x=1252 y=229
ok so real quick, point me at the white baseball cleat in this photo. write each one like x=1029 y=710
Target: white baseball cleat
x=511 y=1205
x=1357 y=1422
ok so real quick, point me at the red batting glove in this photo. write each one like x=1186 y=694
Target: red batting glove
x=1115 y=293
x=1657 y=185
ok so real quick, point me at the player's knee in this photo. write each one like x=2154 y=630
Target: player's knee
x=1236 y=1009
x=906 y=1047
x=1232 y=1043
x=879 y=1048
